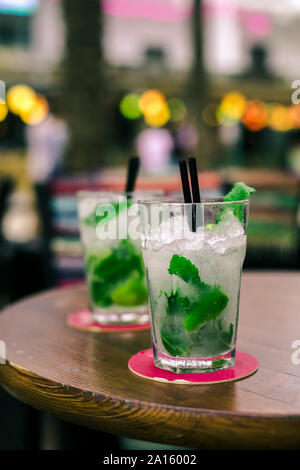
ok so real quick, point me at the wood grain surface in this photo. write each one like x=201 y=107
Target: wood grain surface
x=83 y=377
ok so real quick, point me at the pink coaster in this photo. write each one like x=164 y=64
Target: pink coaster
x=83 y=320
x=142 y=364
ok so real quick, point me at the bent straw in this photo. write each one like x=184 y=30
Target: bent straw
x=132 y=172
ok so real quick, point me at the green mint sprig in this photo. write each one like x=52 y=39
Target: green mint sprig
x=185 y=269
x=208 y=308
x=239 y=192
x=210 y=303
x=118 y=278
x=173 y=341
x=176 y=303
x=226 y=335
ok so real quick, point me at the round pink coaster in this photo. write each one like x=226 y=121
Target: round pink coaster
x=83 y=320
x=142 y=364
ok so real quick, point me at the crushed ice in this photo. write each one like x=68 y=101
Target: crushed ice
x=227 y=235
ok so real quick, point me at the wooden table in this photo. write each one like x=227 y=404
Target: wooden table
x=83 y=377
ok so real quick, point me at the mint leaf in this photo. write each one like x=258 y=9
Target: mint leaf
x=176 y=303
x=130 y=294
x=174 y=341
x=212 y=301
x=120 y=263
x=124 y=265
x=226 y=335
x=99 y=293
x=185 y=269
x=239 y=192
x=208 y=308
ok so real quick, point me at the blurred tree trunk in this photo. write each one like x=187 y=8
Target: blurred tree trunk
x=199 y=77
x=83 y=91
x=198 y=89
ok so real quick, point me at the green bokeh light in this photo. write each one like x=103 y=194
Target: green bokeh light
x=177 y=108
x=129 y=106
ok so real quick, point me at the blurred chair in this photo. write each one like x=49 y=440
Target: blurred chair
x=61 y=248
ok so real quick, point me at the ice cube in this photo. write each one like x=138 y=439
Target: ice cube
x=227 y=235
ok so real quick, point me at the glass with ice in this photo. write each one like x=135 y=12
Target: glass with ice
x=115 y=272
x=194 y=280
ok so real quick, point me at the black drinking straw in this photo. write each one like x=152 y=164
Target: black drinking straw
x=185 y=181
x=132 y=172
x=195 y=190
x=186 y=190
x=194 y=179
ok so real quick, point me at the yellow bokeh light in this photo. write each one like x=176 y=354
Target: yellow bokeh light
x=280 y=118
x=37 y=113
x=158 y=119
x=154 y=108
x=233 y=105
x=3 y=111
x=20 y=99
x=152 y=102
x=256 y=115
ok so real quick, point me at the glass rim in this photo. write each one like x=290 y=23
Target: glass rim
x=206 y=201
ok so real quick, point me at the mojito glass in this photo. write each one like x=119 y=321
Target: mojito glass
x=115 y=273
x=193 y=275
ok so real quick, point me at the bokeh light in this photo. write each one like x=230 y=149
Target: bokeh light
x=187 y=137
x=3 y=111
x=233 y=105
x=223 y=119
x=20 y=99
x=37 y=113
x=177 y=109
x=280 y=118
x=152 y=101
x=158 y=119
x=129 y=106
x=258 y=23
x=254 y=114
x=295 y=115
x=155 y=108
x=154 y=147
x=255 y=117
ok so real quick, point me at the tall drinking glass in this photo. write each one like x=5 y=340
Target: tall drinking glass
x=194 y=255
x=115 y=273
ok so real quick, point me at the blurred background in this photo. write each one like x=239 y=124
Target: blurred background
x=85 y=84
